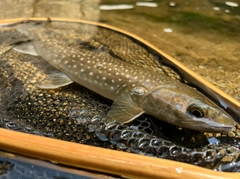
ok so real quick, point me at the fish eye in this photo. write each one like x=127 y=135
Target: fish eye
x=195 y=111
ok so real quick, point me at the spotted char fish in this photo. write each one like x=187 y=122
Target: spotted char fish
x=134 y=90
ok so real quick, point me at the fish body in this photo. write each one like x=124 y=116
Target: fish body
x=134 y=90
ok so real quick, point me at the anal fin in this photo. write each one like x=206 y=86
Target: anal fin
x=55 y=80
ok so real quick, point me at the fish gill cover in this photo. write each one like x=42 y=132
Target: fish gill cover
x=74 y=113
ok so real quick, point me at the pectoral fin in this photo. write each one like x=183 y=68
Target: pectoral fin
x=124 y=109
x=55 y=80
x=26 y=48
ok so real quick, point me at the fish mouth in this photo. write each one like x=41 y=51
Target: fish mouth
x=222 y=129
x=208 y=126
x=216 y=127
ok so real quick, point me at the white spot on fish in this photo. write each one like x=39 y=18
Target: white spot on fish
x=74 y=66
x=112 y=88
x=91 y=73
x=113 y=81
x=104 y=78
x=82 y=70
x=98 y=65
x=127 y=76
x=66 y=62
x=69 y=66
x=81 y=59
x=88 y=61
x=105 y=84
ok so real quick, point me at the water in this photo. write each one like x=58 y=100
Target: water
x=203 y=35
x=15 y=166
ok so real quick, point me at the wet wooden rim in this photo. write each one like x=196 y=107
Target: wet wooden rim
x=106 y=160
x=103 y=160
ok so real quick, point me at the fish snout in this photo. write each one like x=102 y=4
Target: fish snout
x=223 y=119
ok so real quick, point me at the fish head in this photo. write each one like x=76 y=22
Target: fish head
x=187 y=108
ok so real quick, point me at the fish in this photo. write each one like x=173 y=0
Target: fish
x=133 y=90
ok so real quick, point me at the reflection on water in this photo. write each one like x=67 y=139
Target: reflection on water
x=147 y=4
x=232 y=4
x=168 y=30
x=116 y=7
